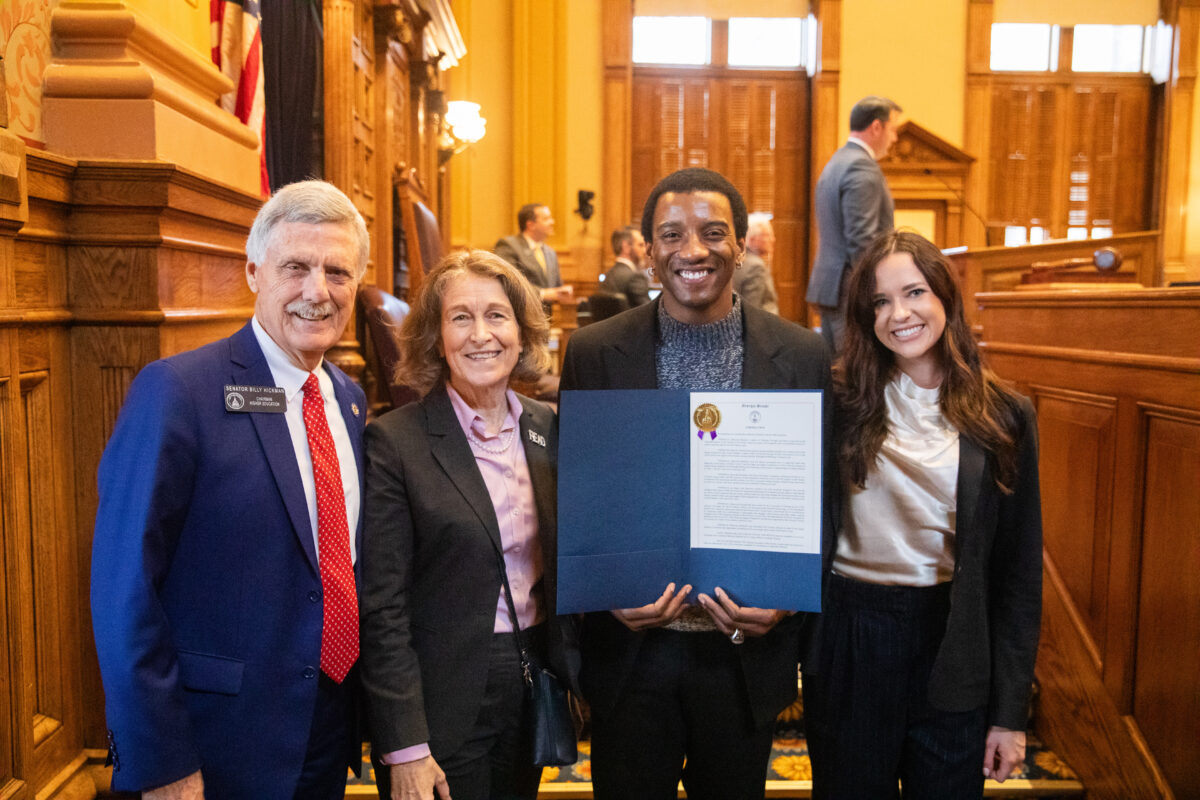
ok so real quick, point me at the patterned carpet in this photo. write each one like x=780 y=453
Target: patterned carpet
x=789 y=773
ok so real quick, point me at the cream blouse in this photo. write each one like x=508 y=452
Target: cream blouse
x=899 y=530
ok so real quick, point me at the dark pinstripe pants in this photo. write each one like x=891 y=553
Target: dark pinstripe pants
x=866 y=712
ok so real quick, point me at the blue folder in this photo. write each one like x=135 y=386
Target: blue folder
x=624 y=513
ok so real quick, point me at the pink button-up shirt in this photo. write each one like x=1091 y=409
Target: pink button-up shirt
x=506 y=475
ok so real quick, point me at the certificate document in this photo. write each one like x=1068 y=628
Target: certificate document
x=703 y=488
x=756 y=471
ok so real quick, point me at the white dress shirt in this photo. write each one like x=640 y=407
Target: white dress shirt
x=291 y=379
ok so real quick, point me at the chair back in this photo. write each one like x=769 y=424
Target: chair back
x=605 y=305
x=384 y=314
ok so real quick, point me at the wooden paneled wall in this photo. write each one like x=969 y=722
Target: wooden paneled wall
x=1071 y=151
x=1116 y=379
x=104 y=266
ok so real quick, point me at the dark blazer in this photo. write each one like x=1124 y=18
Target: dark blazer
x=853 y=206
x=206 y=598
x=618 y=353
x=988 y=652
x=432 y=575
x=624 y=279
x=516 y=251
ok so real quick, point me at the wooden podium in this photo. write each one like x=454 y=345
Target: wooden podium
x=1115 y=375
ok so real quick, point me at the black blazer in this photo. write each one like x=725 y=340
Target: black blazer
x=988 y=652
x=431 y=575
x=618 y=353
x=990 y=646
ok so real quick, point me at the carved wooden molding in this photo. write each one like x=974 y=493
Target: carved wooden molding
x=119 y=87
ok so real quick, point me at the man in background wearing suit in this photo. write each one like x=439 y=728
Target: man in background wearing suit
x=753 y=282
x=224 y=582
x=528 y=252
x=626 y=276
x=853 y=206
x=689 y=686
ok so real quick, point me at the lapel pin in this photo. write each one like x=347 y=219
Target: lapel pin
x=537 y=438
x=354 y=409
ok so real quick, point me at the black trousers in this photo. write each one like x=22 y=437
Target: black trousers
x=866 y=711
x=683 y=714
x=323 y=776
x=496 y=760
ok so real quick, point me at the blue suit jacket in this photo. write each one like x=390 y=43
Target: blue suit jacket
x=206 y=599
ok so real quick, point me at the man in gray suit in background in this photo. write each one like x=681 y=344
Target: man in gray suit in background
x=853 y=206
x=528 y=252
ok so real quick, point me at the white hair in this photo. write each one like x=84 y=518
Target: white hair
x=312 y=203
x=758 y=222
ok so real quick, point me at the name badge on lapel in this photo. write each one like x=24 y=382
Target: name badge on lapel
x=247 y=399
x=537 y=438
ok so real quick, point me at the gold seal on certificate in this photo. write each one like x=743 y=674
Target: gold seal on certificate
x=707 y=418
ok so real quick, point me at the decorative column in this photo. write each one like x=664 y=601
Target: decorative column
x=617 y=30
x=1175 y=161
x=338 y=76
x=977 y=122
x=826 y=70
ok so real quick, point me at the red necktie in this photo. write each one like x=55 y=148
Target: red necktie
x=339 y=630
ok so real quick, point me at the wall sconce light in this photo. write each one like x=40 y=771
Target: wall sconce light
x=461 y=127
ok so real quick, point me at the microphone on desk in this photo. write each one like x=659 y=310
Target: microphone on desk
x=987 y=232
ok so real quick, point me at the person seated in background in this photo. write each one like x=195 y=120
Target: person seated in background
x=753 y=282
x=461 y=488
x=529 y=253
x=627 y=276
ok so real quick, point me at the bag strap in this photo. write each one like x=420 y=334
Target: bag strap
x=512 y=613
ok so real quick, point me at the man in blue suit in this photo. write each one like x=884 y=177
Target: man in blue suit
x=224 y=583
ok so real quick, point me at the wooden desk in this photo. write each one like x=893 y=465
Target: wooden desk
x=993 y=269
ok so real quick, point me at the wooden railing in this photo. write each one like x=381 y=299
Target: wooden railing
x=1115 y=375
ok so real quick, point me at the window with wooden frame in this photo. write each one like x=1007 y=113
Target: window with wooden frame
x=1074 y=121
x=724 y=94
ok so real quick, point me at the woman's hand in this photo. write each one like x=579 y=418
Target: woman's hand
x=661 y=612
x=1003 y=753
x=418 y=780
x=729 y=617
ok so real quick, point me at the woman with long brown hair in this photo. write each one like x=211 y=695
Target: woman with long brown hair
x=927 y=641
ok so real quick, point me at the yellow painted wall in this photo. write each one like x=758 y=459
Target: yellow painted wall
x=1070 y=12
x=481 y=178
x=917 y=59
x=583 y=128
x=185 y=19
x=534 y=67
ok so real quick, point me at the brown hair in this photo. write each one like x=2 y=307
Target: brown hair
x=972 y=397
x=420 y=364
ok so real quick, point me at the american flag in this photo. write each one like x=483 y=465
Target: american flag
x=237 y=52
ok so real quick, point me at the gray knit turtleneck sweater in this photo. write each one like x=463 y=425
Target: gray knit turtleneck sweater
x=700 y=357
